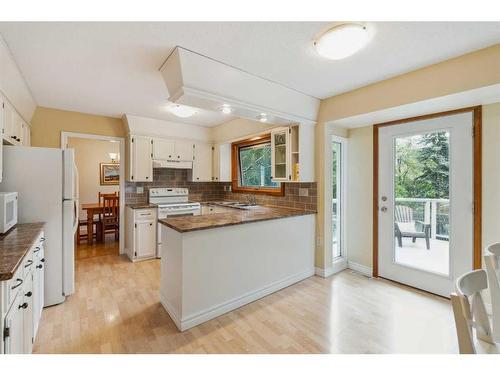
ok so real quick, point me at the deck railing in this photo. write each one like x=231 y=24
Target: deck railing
x=428 y=210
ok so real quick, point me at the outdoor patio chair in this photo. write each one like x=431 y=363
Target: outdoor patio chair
x=405 y=226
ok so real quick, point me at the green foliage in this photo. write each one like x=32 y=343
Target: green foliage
x=255 y=166
x=422 y=166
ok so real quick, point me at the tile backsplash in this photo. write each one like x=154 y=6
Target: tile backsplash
x=206 y=191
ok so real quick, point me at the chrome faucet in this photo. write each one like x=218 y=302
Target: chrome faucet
x=251 y=200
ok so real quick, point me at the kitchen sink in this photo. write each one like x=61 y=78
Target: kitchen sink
x=239 y=205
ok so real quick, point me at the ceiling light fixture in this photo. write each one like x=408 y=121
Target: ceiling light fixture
x=262 y=117
x=342 y=41
x=182 y=111
x=226 y=109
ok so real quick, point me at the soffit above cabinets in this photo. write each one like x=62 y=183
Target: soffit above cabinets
x=199 y=81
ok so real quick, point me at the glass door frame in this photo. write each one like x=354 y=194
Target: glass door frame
x=477 y=176
x=337 y=263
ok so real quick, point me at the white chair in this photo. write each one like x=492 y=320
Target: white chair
x=492 y=264
x=470 y=312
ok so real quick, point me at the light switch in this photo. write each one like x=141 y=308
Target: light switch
x=303 y=192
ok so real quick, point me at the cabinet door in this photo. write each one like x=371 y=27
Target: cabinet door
x=280 y=155
x=28 y=313
x=145 y=239
x=9 y=122
x=27 y=135
x=163 y=149
x=14 y=323
x=19 y=129
x=202 y=163
x=142 y=163
x=184 y=150
x=222 y=162
x=38 y=287
x=2 y=130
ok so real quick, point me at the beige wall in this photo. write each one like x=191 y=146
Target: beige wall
x=467 y=72
x=491 y=174
x=89 y=153
x=237 y=128
x=47 y=124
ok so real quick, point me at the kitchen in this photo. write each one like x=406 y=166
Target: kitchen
x=244 y=217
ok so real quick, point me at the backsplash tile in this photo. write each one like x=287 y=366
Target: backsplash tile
x=206 y=191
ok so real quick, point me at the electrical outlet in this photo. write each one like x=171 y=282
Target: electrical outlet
x=303 y=192
x=139 y=190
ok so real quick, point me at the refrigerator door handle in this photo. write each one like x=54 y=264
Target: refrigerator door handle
x=77 y=215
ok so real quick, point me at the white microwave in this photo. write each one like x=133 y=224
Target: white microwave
x=8 y=211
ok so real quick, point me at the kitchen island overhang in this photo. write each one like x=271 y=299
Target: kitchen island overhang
x=214 y=269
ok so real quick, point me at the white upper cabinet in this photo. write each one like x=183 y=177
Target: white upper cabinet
x=170 y=149
x=163 y=149
x=184 y=150
x=292 y=153
x=140 y=159
x=280 y=154
x=221 y=162
x=202 y=163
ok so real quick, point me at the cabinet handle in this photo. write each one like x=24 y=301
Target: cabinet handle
x=29 y=294
x=40 y=266
x=29 y=264
x=42 y=260
x=169 y=156
x=178 y=156
x=42 y=239
x=20 y=282
x=23 y=306
x=37 y=249
x=150 y=224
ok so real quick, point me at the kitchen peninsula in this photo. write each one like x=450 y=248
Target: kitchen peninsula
x=216 y=263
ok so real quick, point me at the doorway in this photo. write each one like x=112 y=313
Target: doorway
x=425 y=200
x=101 y=175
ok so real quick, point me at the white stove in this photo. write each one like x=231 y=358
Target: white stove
x=172 y=202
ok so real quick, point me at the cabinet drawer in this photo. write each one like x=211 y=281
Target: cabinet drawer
x=144 y=214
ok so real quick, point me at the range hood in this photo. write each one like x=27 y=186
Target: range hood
x=173 y=164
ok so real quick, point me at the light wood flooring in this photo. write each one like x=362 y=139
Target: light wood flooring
x=116 y=309
x=97 y=249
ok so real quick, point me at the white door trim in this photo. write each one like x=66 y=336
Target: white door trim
x=121 y=140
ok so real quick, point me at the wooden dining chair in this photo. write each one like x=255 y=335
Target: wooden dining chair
x=470 y=312
x=111 y=216
x=492 y=264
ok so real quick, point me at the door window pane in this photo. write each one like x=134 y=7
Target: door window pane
x=336 y=199
x=422 y=201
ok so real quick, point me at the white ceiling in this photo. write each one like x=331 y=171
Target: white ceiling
x=112 y=68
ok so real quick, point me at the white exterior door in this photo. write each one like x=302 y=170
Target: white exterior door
x=425 y=202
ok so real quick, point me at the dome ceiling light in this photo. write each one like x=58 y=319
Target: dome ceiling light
x=182 y=111
x=342 y=41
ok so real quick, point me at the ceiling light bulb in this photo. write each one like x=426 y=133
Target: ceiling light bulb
x=182 y=111
x=226 y=109
x=262 y=117
x=342 y=41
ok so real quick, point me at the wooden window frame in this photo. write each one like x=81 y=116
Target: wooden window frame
x=235 y=167
x=477 y=176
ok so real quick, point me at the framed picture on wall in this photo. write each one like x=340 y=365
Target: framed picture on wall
x=110 y=173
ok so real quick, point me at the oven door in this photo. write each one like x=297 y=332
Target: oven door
x=170 y=214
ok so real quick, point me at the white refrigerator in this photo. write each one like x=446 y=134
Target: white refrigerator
x=46 y=180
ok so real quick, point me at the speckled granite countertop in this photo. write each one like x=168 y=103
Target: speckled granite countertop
x=235 y=217
x=14 y=245
x=138 y=206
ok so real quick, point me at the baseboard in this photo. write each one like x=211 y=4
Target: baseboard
x=323 y=272
x=211 y=313
x=171 y=311
x=336 y=267
x=367 y=271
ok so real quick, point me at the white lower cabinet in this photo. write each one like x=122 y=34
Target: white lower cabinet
x=22 y=302
x=140 y=240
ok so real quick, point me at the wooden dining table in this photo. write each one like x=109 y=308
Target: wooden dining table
x=92 y=209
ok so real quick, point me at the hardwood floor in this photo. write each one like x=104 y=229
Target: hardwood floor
x=116 y=309
x=97 y=249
